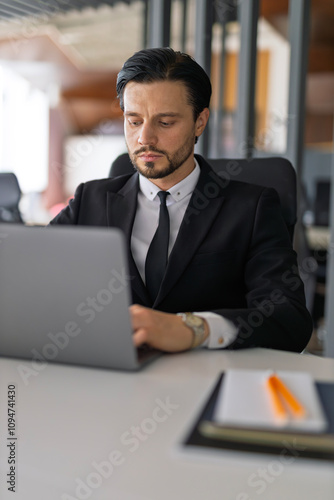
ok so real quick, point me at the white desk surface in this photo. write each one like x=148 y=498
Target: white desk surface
x=69 y=418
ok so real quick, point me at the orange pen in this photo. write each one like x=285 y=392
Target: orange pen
x=279 y=393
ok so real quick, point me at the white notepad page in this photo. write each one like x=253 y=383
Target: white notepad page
x=244 y=401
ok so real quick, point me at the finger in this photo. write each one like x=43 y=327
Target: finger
x=139 y=337
x=141 y=317
x=135 y=311
x=136 y=308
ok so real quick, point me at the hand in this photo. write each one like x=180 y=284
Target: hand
x=163 y=331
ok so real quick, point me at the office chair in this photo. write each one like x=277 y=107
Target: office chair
x=121 y=166
x=275 y=172
x=278 y=173
x=10 y=195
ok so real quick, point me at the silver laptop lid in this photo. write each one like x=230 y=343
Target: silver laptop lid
x=64 y=296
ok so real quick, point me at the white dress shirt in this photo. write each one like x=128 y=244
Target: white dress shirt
x=222 y=331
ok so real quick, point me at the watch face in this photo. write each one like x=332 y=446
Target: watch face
x=194 y=320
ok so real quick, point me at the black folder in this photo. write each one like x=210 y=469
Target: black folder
x=206 y=433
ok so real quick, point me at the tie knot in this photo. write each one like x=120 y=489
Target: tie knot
x=163 y=197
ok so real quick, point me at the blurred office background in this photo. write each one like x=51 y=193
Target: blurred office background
x=271 y=64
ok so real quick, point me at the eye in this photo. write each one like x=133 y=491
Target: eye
x=134 y=123
x=166 y=124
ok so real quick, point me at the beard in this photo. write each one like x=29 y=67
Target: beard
x=174 y=160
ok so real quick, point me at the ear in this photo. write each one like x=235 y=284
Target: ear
x=201 y=121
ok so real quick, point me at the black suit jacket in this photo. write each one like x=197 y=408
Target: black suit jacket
x=233 y=256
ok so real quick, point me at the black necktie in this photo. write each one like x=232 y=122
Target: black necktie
x=157 y=255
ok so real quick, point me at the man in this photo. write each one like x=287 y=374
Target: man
x=222 y=253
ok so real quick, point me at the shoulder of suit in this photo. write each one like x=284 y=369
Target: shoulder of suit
x=230 y=185
x=112 y=184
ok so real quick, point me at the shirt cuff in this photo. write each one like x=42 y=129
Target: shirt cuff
x=222 y=332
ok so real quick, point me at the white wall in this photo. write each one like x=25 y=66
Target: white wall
x=89 y=157
x=24 y=131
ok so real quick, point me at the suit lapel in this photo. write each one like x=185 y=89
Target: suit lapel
x=121 y=211
x=201 y=212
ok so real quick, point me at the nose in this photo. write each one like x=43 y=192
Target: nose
x=147 y=136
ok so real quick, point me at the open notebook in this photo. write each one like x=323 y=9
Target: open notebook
x=245 y=401
x=239 y=421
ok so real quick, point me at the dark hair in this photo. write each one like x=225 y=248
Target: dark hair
x=151 y=65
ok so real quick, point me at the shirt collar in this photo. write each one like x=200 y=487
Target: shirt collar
x=177 y=192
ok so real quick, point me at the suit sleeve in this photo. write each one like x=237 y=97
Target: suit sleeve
x=70 y=214
x=276 y=315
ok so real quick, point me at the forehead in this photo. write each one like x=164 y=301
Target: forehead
x=162 y=96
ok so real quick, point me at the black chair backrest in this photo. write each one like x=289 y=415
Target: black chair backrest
x=121 y=166
x=275 y=172
x=10 y=195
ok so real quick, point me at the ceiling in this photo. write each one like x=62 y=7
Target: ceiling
x=24 y=8
x=100 y=38
x=78 y=46
x=101 y=34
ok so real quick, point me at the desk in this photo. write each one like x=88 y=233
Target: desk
x=69 y=418
x=318 y=237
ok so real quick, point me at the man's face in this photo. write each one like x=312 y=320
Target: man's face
x=160 y=129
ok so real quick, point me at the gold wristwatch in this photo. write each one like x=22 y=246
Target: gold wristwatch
x=197 y=325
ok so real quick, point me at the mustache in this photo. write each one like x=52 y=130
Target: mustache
x=151 y=149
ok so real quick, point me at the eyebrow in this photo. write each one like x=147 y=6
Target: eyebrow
x=159 y=115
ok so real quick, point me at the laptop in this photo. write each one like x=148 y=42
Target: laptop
x=64 y=297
